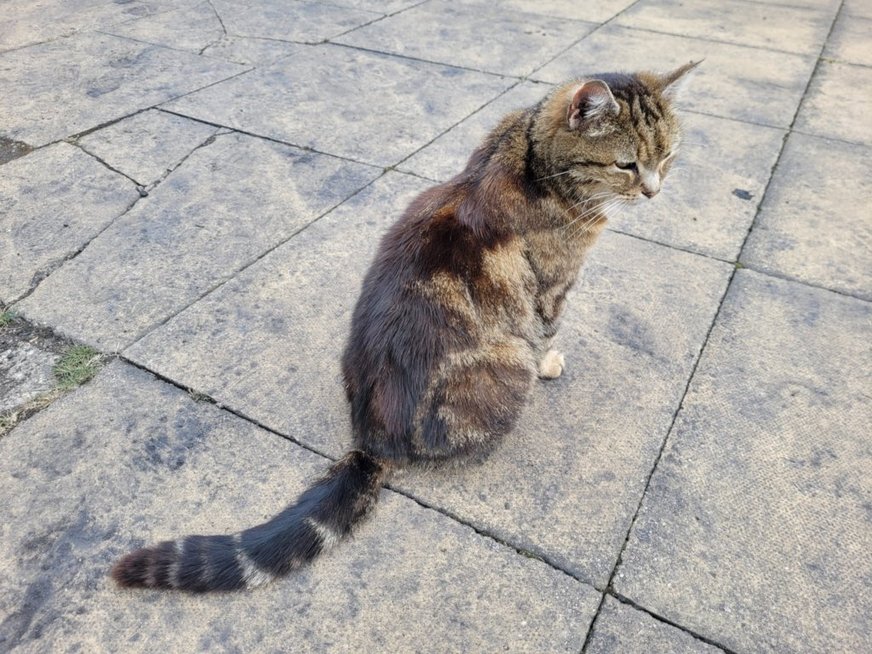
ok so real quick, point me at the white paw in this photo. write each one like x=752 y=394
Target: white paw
x=552 y=365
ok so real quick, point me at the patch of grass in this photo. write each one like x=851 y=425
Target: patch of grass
x=76 y=366
x=6 y=317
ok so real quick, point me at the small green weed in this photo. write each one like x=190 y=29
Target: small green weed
x=6 y=317
x=76 y=366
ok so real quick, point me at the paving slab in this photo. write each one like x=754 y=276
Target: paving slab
x=814 y=225
x=712 y=193
x=282 y=323
x=26 y=372
x=53 y=201
x=835 y=105
x=230 y=202
x=65 y=87
x=734 y=81
x=189 y=28
x=128 y=459
x=257 y=52
x=28 y=23
x=860 y=8
x=567 y=482
x=306 y=22
x=849 y=41
x=365 y=106
x=447 y=155
x=620 y=628
x=148 y=145
x=755 y=531
x=791 y=29
x=595 y=11
x=506 y=41
x=383 y=7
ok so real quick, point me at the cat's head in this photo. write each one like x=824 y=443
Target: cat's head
x=618 y=135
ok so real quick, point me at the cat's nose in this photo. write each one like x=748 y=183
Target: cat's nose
x=649 y=192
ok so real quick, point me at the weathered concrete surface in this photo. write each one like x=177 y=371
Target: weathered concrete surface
x=95 y=78
x=849 y=41
x=250 y=51
x=620 y=628
x=192 y=28
x=506 y=41
x=815 y=226
x=304 y=21
x=734 y=81
x=447 y=155
x=591 y=10
x=711 y=195
x=226 y=205
x=148 y=145
x=275 y=332
x=787 y=549
x=346 y=102
x=52 y=202
x=27 y=23
x=25 y=372
x=756 y=528
x=567 y=482
x=836 y=103
x=791 y=29
x=128 y=459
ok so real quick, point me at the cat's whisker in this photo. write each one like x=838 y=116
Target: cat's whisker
x=565 y=172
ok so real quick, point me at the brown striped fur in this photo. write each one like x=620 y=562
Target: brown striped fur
x=457 y=314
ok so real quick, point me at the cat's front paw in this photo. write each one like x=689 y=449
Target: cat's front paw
x=552 y=364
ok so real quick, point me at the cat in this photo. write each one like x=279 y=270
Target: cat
x=457 y=315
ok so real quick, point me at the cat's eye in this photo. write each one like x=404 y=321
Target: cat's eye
x=631 y=165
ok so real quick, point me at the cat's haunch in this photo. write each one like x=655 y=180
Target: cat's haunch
x=457 y=314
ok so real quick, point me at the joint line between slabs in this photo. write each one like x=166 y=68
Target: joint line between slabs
x=257 y=423
x=610 y=585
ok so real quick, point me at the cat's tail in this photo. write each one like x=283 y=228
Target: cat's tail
x=321 y=517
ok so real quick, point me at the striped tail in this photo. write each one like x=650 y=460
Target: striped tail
x=322 y=516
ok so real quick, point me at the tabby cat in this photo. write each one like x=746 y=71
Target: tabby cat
x=457 y=315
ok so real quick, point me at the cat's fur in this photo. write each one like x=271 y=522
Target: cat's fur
x=457 y=314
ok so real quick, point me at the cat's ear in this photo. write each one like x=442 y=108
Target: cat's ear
x=591 y=102
x=671 y=83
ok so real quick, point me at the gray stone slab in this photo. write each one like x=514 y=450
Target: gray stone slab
x=566 y=484
x=226 y=205
x=734 y=81
x=260 y=52
x=836 y=102
x=53 y=201
x=379 y=6
x=860 y=8
x=755 y=530
x=306 y=22
x=483 y=37
x=282 y=323
x=814 y=225
x=25 y=373
x=792 y=29
x=190 y=28
x=850 y=40
x=596 y=11
x=67 y=86
x=127 y=459
x=620 y=628
x=711 y=195
x=448 y=154
x=27 y=23
x=148 y=145
x=361 y=105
